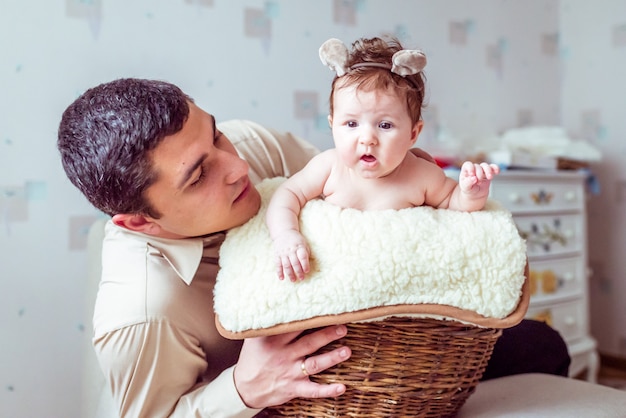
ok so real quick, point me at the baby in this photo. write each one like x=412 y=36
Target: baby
x=375 y=116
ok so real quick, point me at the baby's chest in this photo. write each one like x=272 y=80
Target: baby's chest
x=373 y=195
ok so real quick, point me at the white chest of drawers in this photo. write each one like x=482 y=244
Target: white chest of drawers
x=549 y=211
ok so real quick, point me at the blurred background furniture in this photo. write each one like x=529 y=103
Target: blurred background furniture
x=548 y=207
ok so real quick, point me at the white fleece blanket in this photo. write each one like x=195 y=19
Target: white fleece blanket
x=365 y=259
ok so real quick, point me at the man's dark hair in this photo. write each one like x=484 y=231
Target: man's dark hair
x=106 y=136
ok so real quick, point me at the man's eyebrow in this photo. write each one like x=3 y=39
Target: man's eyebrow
x=189 y=172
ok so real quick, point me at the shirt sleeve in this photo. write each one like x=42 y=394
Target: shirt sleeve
x=268 y=152
x=151 y=368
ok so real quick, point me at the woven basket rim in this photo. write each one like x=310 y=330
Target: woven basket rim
x=418 y=367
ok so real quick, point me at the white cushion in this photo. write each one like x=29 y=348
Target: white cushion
x=369 y=264
x=543 y=395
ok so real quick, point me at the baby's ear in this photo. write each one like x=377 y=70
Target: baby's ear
x=415 y=132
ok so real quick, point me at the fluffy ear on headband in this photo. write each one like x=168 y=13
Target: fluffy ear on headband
x=334 y=54
x=408 y=62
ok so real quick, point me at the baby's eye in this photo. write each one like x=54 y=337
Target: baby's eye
x=385 y=125
x=352 y=124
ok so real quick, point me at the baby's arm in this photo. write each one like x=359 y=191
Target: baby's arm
x=473 y=189
x=282 y=218
x=468 y=194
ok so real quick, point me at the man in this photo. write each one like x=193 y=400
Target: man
x=172 y=181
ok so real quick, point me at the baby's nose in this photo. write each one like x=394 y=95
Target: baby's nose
x=368 y=138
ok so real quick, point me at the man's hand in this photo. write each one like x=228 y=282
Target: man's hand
x=418 y=152
x=274 y=370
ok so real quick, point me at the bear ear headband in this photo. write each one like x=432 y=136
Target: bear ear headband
x=334 y=54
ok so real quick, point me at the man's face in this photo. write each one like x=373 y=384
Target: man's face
x=202 y=184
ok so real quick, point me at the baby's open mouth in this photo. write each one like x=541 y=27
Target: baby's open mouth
x=368 y=158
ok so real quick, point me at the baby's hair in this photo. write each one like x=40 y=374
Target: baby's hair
x=380 y=50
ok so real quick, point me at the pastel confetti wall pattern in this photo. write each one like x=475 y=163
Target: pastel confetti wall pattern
x=490 y=68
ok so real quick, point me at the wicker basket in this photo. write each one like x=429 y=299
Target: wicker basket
x=401 y=367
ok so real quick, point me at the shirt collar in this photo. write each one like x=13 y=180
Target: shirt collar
x=183 y=255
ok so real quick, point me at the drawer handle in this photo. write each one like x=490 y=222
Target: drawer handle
x=568 y=277
x=542 y=197
x=570 y=320
x=545 y=235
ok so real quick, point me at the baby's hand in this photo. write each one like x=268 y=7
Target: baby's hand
x=292 y=255
x=476 y=178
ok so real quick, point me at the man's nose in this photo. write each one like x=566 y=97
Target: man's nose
x=236 y=168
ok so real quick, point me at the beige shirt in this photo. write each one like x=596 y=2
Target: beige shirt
x=154 y=329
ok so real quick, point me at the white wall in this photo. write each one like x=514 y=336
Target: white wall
x=593 y=105
x=493 y=65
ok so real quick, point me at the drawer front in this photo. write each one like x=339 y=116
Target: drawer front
x=567 y=318
x=551 y=234
x=548 y=195
x=553 y=280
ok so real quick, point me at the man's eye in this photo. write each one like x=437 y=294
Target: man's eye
x=198 y=180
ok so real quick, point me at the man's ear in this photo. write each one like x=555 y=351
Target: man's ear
x=137 y=223
x=416 y=131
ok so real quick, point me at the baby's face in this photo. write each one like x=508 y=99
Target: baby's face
x=372 y=130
